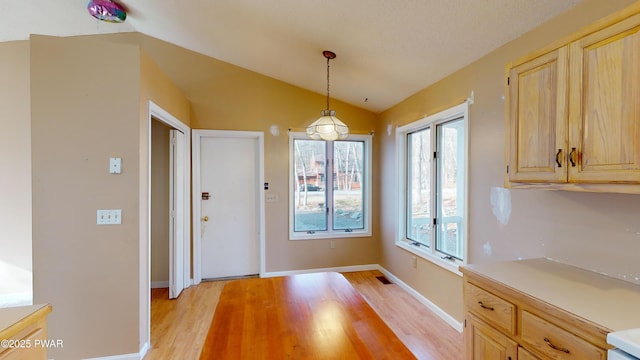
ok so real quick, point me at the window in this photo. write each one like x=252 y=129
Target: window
x=330 y=187
x=432 y=159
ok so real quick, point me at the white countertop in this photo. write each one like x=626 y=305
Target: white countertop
x=12 y=315
x=606 y=301
x=626 y=340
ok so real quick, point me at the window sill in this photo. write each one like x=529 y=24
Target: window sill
x=426 y=254
x=330 y=235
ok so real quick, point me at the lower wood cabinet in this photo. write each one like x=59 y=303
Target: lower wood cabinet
x=502 y=323
x=525 y=355
x=24 y=332
x=555 y=342
x=485 y=342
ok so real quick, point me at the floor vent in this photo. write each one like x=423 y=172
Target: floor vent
x=383 y=280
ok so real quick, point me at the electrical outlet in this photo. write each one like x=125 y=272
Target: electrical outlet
x=414 y=262
x=333 y=244
x=115 y=165
x=272 y=197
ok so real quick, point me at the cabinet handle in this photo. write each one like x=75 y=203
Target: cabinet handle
x=554 y=347
x=572 y=157
x=485 y=306
x=558 y=158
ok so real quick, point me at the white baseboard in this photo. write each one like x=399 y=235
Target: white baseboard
x=133 y=356
x=144 y=350
x=308 y=271
x=423 y=300
x=159 y=284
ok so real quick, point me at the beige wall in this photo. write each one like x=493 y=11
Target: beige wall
x=159 y=202
x=154 y=86
x=594 y=231
x=89 y=102
x=226 y=97
x=247 y=101
x=15 y=176
x=84 y=109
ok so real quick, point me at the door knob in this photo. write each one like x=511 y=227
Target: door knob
x=206 y=218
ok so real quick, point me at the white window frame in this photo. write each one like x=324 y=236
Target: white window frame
x=430 y=253
x=367 y=198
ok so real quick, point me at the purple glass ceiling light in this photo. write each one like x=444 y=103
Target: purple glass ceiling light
x=107 y=10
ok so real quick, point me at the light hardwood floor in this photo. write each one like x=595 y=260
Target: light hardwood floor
x=179 y=327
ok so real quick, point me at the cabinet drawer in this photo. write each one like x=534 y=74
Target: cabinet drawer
x=27 y=349
x=555 y=342
x=491 y=308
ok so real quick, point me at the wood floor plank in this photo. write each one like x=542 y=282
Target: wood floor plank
x=321 y=317
x=179 y=327
x=422 y=331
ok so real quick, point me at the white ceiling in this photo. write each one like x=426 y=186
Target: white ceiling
x=386 y=49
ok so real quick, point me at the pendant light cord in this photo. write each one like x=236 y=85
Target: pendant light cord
x=328 y=83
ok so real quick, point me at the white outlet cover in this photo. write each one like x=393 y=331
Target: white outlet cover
x=115 y=165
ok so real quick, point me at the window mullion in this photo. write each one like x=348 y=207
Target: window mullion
x=329 y=171
x=434 y=188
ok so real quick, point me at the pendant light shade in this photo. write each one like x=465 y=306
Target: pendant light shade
x=328 y=126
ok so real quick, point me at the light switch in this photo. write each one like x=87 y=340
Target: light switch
x=109 y=217
x=115 y=165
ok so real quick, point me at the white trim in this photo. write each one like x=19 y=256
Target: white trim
x=197 y=135
x=161 y=284
x=457 y=325
x=165 y=117
x=310 y=271
x=155 y=111
x=133 y=356
x=145 y=348
x=429 y=253
x=368 y=195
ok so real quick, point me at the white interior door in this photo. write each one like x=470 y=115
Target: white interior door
x=230 y=217
x=177 y=200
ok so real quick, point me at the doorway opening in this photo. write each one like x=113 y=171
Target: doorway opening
x=173 y=213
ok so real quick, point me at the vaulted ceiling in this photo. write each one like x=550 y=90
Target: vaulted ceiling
x=386 y=49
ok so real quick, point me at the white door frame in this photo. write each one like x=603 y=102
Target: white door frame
x=197 y=190
x=156 y=112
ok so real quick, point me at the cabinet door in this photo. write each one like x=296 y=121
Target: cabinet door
x=486 y=343
x=525 y=355
x=537 y=119
x=604 y=107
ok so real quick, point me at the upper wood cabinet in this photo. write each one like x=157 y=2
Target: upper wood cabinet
x=539 y=118
x=604 y=105
x=573 y=111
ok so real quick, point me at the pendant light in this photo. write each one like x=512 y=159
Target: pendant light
x=328 y=126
